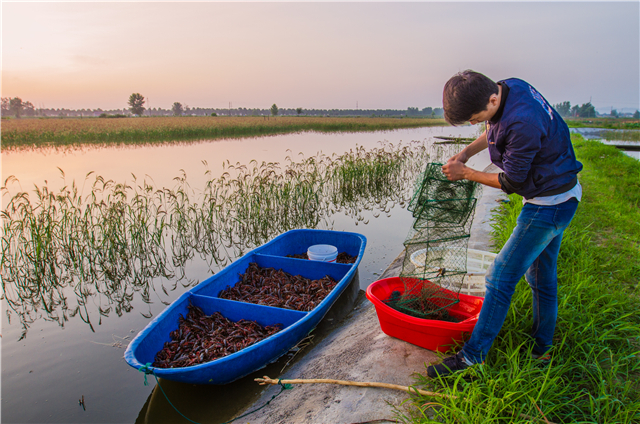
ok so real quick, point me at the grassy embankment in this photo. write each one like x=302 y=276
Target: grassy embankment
x=609 y=123
x=594 y=375
x=29 y=133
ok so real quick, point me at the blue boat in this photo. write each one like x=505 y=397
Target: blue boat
x=296 y=325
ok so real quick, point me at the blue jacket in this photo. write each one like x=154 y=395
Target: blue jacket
x=530 y=142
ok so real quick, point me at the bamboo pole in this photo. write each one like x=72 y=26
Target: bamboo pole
x=267 y=380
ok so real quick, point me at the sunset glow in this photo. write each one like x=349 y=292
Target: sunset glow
x=313 y=55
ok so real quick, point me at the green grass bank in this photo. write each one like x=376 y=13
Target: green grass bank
x=610 y=123
x=594 y=374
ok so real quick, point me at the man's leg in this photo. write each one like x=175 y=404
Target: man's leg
x=535 y=230
x=542 y=277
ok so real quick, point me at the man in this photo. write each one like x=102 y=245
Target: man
x=528 y=140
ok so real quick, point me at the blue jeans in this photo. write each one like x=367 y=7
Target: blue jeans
x=532 y=251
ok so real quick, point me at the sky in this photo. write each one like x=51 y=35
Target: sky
x=370 y=55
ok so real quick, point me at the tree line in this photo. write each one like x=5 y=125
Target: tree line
x=18 y=108
x=585 y=110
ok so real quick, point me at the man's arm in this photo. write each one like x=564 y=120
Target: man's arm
x=456 y=170
x=472 y=149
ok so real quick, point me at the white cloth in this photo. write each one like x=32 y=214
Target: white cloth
x=576 y=192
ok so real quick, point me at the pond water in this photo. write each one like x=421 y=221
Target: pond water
x=630 y=148
x=52 y=359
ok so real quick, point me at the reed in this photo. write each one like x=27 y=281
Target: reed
x=593 y=374
x=31 y=133
x=103 y=243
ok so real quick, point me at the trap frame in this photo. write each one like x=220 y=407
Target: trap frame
x=435 y=255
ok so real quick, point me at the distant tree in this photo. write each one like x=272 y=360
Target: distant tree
x=177 y=109
x=636 y=115
x=16 y=106
x=587 y=110
x=299 y=111
x=29 y=109
x=564 y=108
x=575 y=110
x=274 y=109
x=136 y=103
x=214 y=114
x=614 y=113
x=6 y=106
x=438 y=111
x=427 y=111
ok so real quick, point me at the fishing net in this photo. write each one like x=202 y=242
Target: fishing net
x=435 y=259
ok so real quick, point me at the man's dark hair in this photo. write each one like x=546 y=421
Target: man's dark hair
x=466 y=94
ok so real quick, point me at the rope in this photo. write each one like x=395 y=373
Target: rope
x=147 y=369
x=283 y=387
x=165 y=396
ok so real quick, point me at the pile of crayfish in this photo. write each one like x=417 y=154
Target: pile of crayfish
x=274 y=287
x=203 y=338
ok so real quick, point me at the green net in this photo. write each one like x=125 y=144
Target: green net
x=435 y=256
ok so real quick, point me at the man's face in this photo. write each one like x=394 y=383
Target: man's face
x=489 y=111
x=480 y=117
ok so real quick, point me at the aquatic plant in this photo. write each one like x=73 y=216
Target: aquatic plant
x=103 y=243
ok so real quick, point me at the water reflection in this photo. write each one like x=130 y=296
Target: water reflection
x=626 y=140
x=84 y=251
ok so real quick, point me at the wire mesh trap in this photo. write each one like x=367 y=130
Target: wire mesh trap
x=435 y=260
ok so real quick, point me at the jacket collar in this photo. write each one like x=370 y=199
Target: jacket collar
x=503 y=101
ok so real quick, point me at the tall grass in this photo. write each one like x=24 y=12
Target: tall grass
x=594 y=374
x=31 y=133
x=109 y=242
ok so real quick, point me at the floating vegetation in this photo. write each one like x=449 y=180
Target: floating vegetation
x=454 y=140
x=93 y=248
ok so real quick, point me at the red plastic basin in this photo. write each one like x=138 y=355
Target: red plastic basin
x=427 y=333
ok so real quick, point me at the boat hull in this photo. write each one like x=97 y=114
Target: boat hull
x=296 y=325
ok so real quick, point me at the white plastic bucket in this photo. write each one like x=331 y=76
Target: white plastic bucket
x=322 y=252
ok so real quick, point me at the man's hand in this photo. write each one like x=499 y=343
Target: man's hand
x=454 y=169
x=462 y=157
